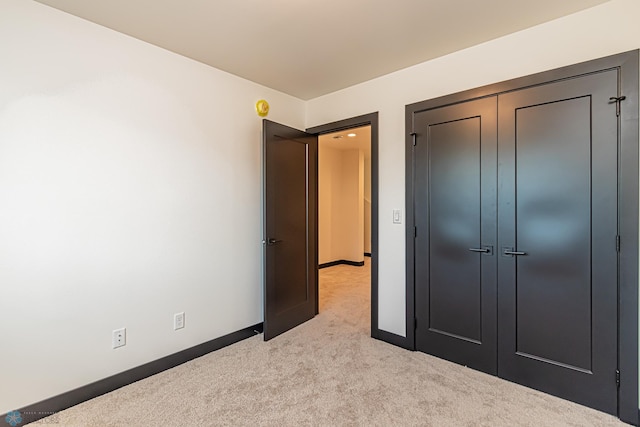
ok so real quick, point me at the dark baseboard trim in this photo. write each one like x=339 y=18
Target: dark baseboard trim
x=341 y=262
x=392 y=338
x=367 y=254
x=71 y=398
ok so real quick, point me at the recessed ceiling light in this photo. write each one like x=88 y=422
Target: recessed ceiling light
x=351 y=135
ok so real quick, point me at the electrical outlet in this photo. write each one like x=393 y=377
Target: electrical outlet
x=119 y=337
x=178 y=321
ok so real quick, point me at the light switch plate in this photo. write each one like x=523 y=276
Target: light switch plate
x=397 y=216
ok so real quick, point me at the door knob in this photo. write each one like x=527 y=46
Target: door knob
x=510 y=252
x=273 y=241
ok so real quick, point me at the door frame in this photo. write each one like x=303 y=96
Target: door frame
x=340 y=125
x=627 y=64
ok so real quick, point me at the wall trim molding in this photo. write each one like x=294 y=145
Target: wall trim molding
x=341 y=262
x=52 y=405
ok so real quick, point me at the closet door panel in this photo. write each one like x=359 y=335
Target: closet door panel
x=557 y=233
x=455 y=216
x=553 y=211
x=454 y=225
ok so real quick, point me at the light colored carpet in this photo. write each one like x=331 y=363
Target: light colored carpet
x=327 y=372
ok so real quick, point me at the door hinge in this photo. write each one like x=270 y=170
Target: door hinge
x=618 y=243
x=415 y=232
x=618 y=377
x=415 y=137
x=617 y=100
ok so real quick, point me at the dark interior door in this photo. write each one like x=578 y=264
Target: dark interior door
x=557 y=256
x=455 y=218
x=290 y=266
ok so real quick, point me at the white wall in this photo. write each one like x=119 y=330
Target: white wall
x=329 y=172
x=340 y=204
x=604 y=30
x=356 y=199
x=129 y=191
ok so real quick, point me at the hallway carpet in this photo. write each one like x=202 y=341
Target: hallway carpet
x=327 y=372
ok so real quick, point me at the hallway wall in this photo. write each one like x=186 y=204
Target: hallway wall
x=341 y=218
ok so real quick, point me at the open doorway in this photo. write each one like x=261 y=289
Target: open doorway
x=344 y=218
x=290 y=237
x=344 y=197
x=369 y=121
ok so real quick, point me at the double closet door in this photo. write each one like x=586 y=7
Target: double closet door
x=515 y=207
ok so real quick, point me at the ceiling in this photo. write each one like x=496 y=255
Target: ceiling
x=342 y=141
x=310 y=48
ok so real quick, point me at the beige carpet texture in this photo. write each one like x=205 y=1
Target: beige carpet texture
x=327 y=372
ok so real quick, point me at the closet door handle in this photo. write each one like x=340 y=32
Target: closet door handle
x=511 y=252
x=486 y=250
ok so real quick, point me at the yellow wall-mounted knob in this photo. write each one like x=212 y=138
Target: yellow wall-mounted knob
x=262 y=108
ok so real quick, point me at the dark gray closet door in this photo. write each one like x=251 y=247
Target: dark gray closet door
x=557 y=257
x=455 y=217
